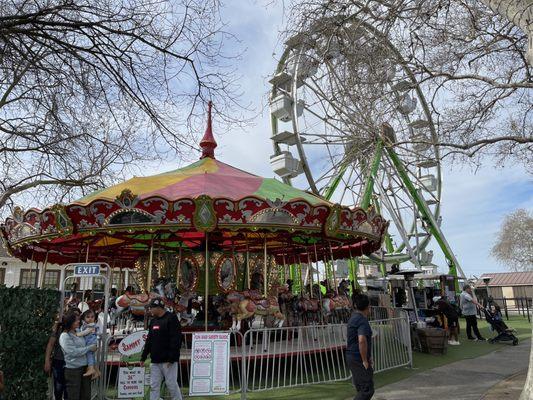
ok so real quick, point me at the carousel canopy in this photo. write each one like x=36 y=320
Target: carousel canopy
x=177 y=209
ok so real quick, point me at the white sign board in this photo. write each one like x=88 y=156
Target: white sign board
x=210 y=363
x=86 y=269
x=133 y=344
x=130 y=382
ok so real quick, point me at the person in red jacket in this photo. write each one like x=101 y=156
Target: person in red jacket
x=163 y=344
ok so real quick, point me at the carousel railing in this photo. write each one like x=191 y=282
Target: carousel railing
x=276 y=358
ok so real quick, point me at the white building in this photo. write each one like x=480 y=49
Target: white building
x=14 y=272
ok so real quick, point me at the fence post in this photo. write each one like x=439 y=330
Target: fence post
x=409 y=342
x=244 y=378
x=527 y=309
x=505 y=308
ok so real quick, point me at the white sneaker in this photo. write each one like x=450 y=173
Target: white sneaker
x=451 y=342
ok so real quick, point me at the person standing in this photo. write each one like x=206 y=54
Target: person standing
x=452 y=319
x=54 y=363
x=163 y=344
x=75 y=352
x=359 y=349
x=468 y=309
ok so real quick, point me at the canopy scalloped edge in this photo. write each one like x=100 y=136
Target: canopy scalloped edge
x=50 y=227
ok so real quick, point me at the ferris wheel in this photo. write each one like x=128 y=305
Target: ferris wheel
x=351 y=123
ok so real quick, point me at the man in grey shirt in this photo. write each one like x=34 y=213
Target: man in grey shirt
x=468 y=308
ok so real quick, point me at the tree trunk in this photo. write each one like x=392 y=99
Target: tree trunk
x=520 y=13
x=527 y=393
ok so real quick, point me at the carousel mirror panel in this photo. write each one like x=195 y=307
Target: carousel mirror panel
x=189 y=274
x=226 y=274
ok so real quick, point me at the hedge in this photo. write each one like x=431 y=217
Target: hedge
x=26 y=318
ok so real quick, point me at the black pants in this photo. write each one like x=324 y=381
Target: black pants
x=362 y=379
x=78 y=386
x=471 y=323
x=58 y=373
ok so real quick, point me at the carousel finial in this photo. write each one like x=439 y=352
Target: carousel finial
x=208 y=142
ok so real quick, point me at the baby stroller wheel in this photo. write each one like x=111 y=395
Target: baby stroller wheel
x=515 y=342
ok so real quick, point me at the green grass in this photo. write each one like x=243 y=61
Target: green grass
x=422 y=362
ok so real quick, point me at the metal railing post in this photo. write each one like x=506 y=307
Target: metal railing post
x=505 y=308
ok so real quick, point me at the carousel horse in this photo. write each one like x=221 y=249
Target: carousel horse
x=249 y=303
x=135 y=304
x=306 y=309
x=334 y=303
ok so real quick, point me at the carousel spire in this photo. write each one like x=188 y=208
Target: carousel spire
x=208 y=142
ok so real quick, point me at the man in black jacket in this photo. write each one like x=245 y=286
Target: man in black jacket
x=163 y=344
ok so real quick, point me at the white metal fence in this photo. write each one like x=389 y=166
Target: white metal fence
x=276 y=358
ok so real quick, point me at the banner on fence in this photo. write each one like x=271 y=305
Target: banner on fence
x=210 y=364
x=133 y=344
x=130 y=382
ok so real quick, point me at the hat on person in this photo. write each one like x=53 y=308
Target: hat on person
x=156 y=303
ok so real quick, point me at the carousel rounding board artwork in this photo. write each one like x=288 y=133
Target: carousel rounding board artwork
x=208 y=231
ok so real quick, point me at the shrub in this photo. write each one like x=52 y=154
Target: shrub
x=26 y=317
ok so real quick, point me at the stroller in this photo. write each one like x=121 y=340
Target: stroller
x=505 y=334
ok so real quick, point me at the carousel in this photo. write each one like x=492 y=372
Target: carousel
x=218 y=243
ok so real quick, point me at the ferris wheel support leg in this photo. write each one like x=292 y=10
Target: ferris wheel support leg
x=426 y=214
x=369 y=186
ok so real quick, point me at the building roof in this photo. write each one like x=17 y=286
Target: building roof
x=507 y=279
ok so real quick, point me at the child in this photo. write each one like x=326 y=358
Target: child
x=90 y=330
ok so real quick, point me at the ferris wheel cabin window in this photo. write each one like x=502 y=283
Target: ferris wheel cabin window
x=129 y=218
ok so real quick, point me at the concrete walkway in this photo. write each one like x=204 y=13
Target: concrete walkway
x=509 y=389
x=462 y=380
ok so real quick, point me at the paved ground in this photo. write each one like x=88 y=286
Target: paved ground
x=463 y=380
x=508 y=389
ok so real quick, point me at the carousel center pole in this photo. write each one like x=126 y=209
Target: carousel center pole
x=247 y=265
x=206 y=301
x=284 y=270
x=265 y=283
x=301 y=276
x=336 y=288
x=178 y=268
x=317 y=274
x=149 y=274
x=310 y=272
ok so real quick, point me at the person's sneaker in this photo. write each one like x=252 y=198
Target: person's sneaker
x=471 y=338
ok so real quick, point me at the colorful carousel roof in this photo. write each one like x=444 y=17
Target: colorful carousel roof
x=178 y=208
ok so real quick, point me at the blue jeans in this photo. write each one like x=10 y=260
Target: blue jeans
x=90 y=340
x=58 y=375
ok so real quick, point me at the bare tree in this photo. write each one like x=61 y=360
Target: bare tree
x=468 y=61
x=90 y=89
x=514 y=245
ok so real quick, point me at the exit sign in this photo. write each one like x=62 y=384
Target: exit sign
x=86 y=269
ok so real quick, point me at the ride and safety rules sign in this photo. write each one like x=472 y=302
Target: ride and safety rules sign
x=210 y=363
x=130 y=382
